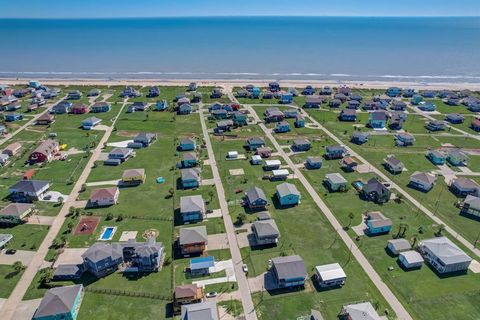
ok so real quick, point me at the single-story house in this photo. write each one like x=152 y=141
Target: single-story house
x=410 y=259
x=272 y=165
x=377 y=223
x=457 y=158
x=266 y=232
x=471 y=206
x=348 y=115
x=330 y=275
x=91 y=122
x=313 y=163
x=255 y=198
x=359 y=311
x=193 y=240
x=335 y=182
x=60 y=303
x=28 y=190
x=12 y=149
x=133 y=176
x=395 y=246
x=44 y=152
x=289 y=271
x=423 y=181
x=377 y=119
x=3 y=158
x=45 y=119
x=4 y=239
x=393 y=165
x=359 y=137
x=256 y=160
x=192 y=208
x=287 y=194
x=436 y=157
x=264 y=152
x=335 y=152
x=190 y=177
x=101 y=107
x=187 y=144
x=301 y=145
x=15 y=213
x=462 y=187
x=255 y=142
x=443 y=255
x=375 y=191
x=279 y=174
x=103 y=197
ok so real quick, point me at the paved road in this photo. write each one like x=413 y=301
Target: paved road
x=243 y=287
x=374 y=169
x=8 y=309
x=30 y=122
x=395 y=304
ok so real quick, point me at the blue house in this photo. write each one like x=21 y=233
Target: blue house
x=289 y=271
x=239 y=118
x=290 y=113
x=427 y=106
x=393 y=92
x=299 y=121
x=286 y=98
x=190 y=177
x=416 y=99
x=359 y=137
x=335 y=152
x=192 y=208
x=308 y=91
x=34 y=84
x=161 y=105
x=254 y=143
x=435 y=125
x=353 y=104
x=455 y=118
x=219 y=113
x=189 y=160
x=200 y=266
x=408 y=93
x=89 y=123
x=313 y=163
x=287 y=194
x=13 y=117
x=436 y=157
x=301 y=145
x=348 y=115
x=60 y=303
x=377 y=119
x=256 y=92
x=101 y=107
x=187 y=144
x=282 y=126
x=185 y=108
x=377 y=223
x=62 y=107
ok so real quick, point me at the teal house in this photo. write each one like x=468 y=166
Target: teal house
x=101 y=107
x=416 y=99
x=286 y=98
x=377 y=223
x=189 y=160
x=187 y=144
x=457 y=158
x=436 y=157
x=255 y=92
x=299 y=121
x=161 y=105
x=283 y=126
x=287 y=194
x=393 y=92
x=60 y=303
x=190 y=178
x=185 y=108
x=239 y=118
x=377 y=119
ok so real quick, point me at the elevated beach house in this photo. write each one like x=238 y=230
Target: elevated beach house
x=101 y=106
x=301 y=145
x=254 y=142
x=422 y=181
x=193 y=240
x=330 y=275
x=471 y=206
x=27 y=191
x=15 y=213
x=375 y=191
x=377 y=223
x=255 y=198
x=91 y=122
x=377 y=119
x=265 y=232
x=335 y=152
x=187 y=144
x=45 y=152
x=335 y=182
x=393 y=165
x=436 y=157
x=60 y=303
x=289 y=271
x=462 y=187
x=443 y=255
x=287 y=194
x=103 y=197
x=192 y=208
x=190 y=177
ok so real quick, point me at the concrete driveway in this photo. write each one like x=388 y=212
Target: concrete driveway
x=41 y=220
x=217 y=241
x=26 y=309
x=54 y=196
x=265 y=281
x=23 y=256
x=70 y=256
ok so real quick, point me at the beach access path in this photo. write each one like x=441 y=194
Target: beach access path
x=8 y=309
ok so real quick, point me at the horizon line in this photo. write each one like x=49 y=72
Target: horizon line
x=241 y=16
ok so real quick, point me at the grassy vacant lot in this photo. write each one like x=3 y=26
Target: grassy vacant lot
x=25 y=236
x=8 y=280
x=304 y=231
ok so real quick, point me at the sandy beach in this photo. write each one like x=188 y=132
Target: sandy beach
x=244 y=82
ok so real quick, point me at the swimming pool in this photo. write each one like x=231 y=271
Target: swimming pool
x=107 y=233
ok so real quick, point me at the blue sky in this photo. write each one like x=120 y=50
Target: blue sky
x=169 y=8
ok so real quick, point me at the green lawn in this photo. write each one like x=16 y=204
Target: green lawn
x=8 y=280
x=25 y=236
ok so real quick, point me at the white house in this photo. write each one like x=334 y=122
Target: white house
x=410 y=259
x=330 y=275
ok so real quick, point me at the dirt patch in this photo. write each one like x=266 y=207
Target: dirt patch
x=150 y=233
x=129 y=134
x=230 y=138
x=86 y=225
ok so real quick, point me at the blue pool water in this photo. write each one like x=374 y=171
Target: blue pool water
x=334 y=48
x=107 y=233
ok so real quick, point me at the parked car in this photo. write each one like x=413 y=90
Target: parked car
x=211 y=294
x=10 y=251
x=245 y=268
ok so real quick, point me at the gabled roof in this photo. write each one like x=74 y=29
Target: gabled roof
x=29 y=185
x=400 y=244
x=16 y=209
x=285 y=189
x=255 y=193
x=185 y=291
x=193 y=235
x=445 y=250
x=58 y=300
x=266 y=228
x=393 y=161
x=289 y=267
x=192 y=203
x=103 y=193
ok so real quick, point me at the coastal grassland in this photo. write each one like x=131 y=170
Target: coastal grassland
x=415 y=288
x=206 y=91
x=304 y=231
x=25 y=236
x=445 y=109
x=465 y=126
x=8 y=280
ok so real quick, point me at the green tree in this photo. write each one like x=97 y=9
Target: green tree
x=241 y=218
x=120 y=217
x=350 y=216
x=109 y=216
x=46 y=276
x=18 y=266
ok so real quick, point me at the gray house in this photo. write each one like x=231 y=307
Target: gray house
x=28 y=190
x=393 y=165
x=395 y=246
x=60 y=303
x=359 y=311
x=192 y=208
x=193 y=240
x=266 y=232
x=471 y=206
x=289 y=271
x=145 y=139
x=200 y=311
x=102 y=259
x=443 y=255
x=255 y=198
x=463 y=186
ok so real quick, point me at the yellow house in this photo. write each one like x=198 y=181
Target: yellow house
x=133 y=176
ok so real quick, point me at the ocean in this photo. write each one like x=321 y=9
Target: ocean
x=320 y=48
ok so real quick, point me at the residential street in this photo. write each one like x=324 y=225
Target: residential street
x=9 y=307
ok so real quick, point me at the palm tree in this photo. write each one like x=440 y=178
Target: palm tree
x=46 y=276
x=414 y=240
x=440 y=230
